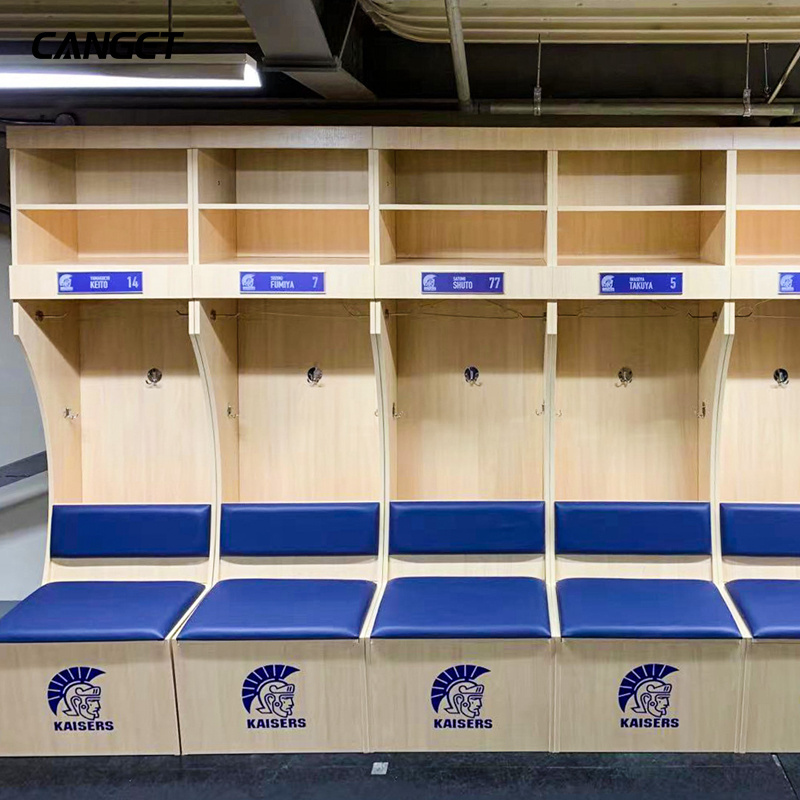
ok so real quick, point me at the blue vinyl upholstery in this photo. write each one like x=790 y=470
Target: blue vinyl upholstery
x=620 y=608
x=633 y=528
x=771 y=608
x=246 y=609
x=299 y=529
x=466 y=527
x=130 y=531
x=99 y=611
x=760 y=529
x=463 y=608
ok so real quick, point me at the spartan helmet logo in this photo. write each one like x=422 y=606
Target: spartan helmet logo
x=456 y=691
x=276 y=698
x=647 y=688
x=72 y=693
x=266 y=691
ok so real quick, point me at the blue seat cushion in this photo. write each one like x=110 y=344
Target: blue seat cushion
x=632 y=608
x=466 y=527
x=299 y=529
x=99 y=611
x=274 y=608
x=760 y=529
x=130 y=531
x=633 y=528
x=463 y=608
x=770 y=608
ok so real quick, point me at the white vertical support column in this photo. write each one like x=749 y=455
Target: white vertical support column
x=730 y=217
x=373 y=165
x=550 y=354
x=13 y=203
x=195 y=331
x=551 y=243
x=193 y=184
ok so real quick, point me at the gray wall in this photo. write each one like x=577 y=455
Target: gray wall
x=22 y=526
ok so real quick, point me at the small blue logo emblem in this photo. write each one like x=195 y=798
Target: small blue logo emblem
x=248 y=282
x=73 y=694
x=266 y=692
x=645 y=692
x=457 y=692
x=429 y=283
x=65 y=282
x=607 y=283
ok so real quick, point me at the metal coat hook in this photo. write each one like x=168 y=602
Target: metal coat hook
x=625 y=376
x=701 y=414
x=154 y=376
x=781 y=377
x=471 y=376
x=70 y=414
x=41 y=316
x=395 y=413
x=314 y=376
x=231 y=413
x=540 y=411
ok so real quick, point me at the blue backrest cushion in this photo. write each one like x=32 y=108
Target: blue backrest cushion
x=633 y=528
x=136 y=531
x=466 y=528
x=760 y=529
x=299 y=529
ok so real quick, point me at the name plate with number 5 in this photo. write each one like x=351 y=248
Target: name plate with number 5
x=282 y=282
x=641 y=283
x=99 y=282
x=463 y=283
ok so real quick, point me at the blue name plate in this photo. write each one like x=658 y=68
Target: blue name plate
x=463 y=282
x=99 y=282
x=279 y=282
x=789 y=283
x=641 y=283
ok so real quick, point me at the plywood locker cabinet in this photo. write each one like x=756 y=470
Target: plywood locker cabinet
x=273 y=659
x=650 y=656
x=759 y=515
x=460 y=655
x=85 y=665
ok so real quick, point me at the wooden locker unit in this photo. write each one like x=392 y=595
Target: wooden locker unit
x=464 y=389
x=758 y=465
x=297 y=424
x=649 y=448
x=284 y=209
x=127 y=427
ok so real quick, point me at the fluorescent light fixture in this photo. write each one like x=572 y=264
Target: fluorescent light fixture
x=213 y=71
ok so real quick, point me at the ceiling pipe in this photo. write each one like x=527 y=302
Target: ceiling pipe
x=786 y=73
x=459 y=54
x=610 y=108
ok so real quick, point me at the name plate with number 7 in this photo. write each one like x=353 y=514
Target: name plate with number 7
x=282 y=282
x=99 y=282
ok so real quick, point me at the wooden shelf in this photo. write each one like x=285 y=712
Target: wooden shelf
x=455 y=207
x=284 y=206
x=641 y=208
x=633 y=262
x=782 y=261
x=468 y=263
x=767 y=237
x=767 y=207
x=768 y=179
x=102 y=206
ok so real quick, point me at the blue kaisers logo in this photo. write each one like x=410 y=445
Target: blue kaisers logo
x=457 y=692
x=72 y=694
x=266 y=692
x=644 y=692
x=65 y=282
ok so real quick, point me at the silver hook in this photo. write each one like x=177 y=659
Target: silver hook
x=781 y=377
x=701 y=414
x=231 y=413
x=314 y=376
x=540 y=411
x=471 y=376
x=70 y=415
x=625 y=376
x=154 y=376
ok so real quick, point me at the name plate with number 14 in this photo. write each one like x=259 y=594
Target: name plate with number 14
x=99 y=282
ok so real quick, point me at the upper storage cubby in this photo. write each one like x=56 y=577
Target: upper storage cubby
x=641 y=208
x=462 y=209
x=101 y=178
x=284 y=207
x=768 y=208
x=634 y=400
x=469 y=395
